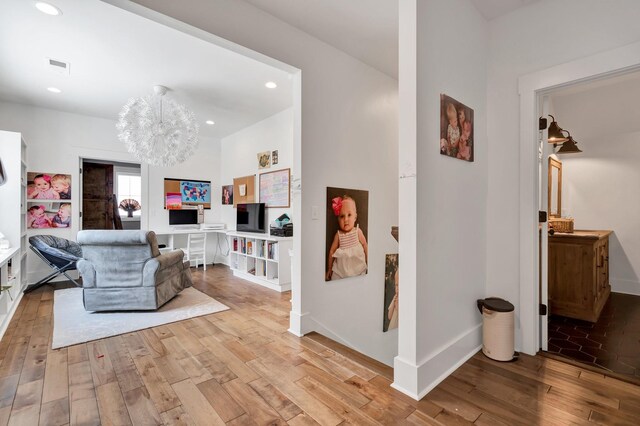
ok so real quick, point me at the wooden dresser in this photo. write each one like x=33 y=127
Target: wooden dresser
x=579 y=274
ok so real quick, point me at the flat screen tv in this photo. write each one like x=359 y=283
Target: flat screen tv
x=251 y=218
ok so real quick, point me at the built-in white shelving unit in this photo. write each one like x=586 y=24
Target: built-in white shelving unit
x=262 y=259
x=13 y=223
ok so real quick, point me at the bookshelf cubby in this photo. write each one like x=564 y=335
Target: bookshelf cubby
x=262 y=259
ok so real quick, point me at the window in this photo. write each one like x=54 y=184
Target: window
x=128 y=185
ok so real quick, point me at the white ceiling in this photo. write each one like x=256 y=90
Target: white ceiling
x=116 y=55
x=492 y=9
x=600 y=108
x=365 y=29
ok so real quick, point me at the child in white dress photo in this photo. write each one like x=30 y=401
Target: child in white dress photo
x=348 y=254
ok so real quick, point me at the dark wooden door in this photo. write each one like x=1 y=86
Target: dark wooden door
x=97 y=196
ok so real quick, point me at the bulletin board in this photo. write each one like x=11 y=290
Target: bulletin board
x=275 y=188
x=250 y=190
x=187 y=192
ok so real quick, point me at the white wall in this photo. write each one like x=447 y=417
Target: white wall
x=598 y=183
x=55 y=141
x=451 y=196
x=598 y=189
x=522 y=42
x=239 y=153
x=349 y=139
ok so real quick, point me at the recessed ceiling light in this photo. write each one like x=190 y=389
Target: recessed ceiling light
x=271 y=85
x=47 y=8
x=54 y=90
x=210 y=122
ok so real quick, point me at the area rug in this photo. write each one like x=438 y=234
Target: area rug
x=73 y=325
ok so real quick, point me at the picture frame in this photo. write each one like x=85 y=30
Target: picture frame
x=275 y=188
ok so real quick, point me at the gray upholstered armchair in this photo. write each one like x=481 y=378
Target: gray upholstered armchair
x=124 y=270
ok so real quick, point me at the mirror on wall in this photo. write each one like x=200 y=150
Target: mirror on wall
x=555 y=187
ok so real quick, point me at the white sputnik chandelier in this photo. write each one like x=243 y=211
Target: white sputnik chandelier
x=157 y=130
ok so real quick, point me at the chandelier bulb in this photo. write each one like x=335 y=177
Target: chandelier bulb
x=160 y=90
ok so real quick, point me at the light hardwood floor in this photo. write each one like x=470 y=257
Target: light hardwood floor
x=241 y=367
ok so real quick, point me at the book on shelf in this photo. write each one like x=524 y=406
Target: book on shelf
x=249 y=248
x=273 y=251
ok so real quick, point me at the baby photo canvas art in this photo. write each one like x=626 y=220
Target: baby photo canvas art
x=456 y=129
x=48 y=215
x=48 y=186
x=347 y=251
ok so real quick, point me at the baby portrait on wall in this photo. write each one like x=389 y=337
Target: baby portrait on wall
x=48 y=215
x=227 y=195
x=48 y=186
x=456 y=129
x=347 y=251
x=390 y=312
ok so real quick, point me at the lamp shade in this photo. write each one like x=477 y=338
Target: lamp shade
x=555 y=132
x=569 y=147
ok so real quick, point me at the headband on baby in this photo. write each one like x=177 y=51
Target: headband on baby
x=336 y=205
x=47 y=178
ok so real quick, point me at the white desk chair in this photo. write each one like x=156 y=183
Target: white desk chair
x=196 y=249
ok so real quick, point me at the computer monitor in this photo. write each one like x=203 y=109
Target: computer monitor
x=183 y=217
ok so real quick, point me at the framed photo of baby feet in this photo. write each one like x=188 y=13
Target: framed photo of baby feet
x=347 y=251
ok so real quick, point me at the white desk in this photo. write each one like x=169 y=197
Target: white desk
x=171 y=233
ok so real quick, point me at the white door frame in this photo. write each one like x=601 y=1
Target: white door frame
x=531 y=87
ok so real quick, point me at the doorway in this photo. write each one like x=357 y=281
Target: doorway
x=111 y=195
x=593 y=243
x=531 y=88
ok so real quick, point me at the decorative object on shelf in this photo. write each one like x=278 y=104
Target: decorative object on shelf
x=274 y=157
x=48 y=186
x=227 y=195
x=275 y=188
x=129 y=205
x=347 y=224
x=456 y=129
x=4 y=243
x=191 y=192
x=48 y=215
x=563 y=225
x=158 y=131
x=3 y=175
x=264 y=160
x=390 y=311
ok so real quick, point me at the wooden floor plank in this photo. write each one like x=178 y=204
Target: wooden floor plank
x=161 y=393
x=194 y=403
x=242 y=367
x=141 y=409
x=55 y=413
x=113 y=410
x=56 y=377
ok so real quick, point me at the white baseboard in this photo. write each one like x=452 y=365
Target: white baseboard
x=299 y=323
x=418 y=380
x=625 y=286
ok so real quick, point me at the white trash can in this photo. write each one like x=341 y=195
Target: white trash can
x=497 y=328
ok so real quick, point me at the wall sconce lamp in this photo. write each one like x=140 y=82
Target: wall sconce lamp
x=555 y=132
x=569 y=147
